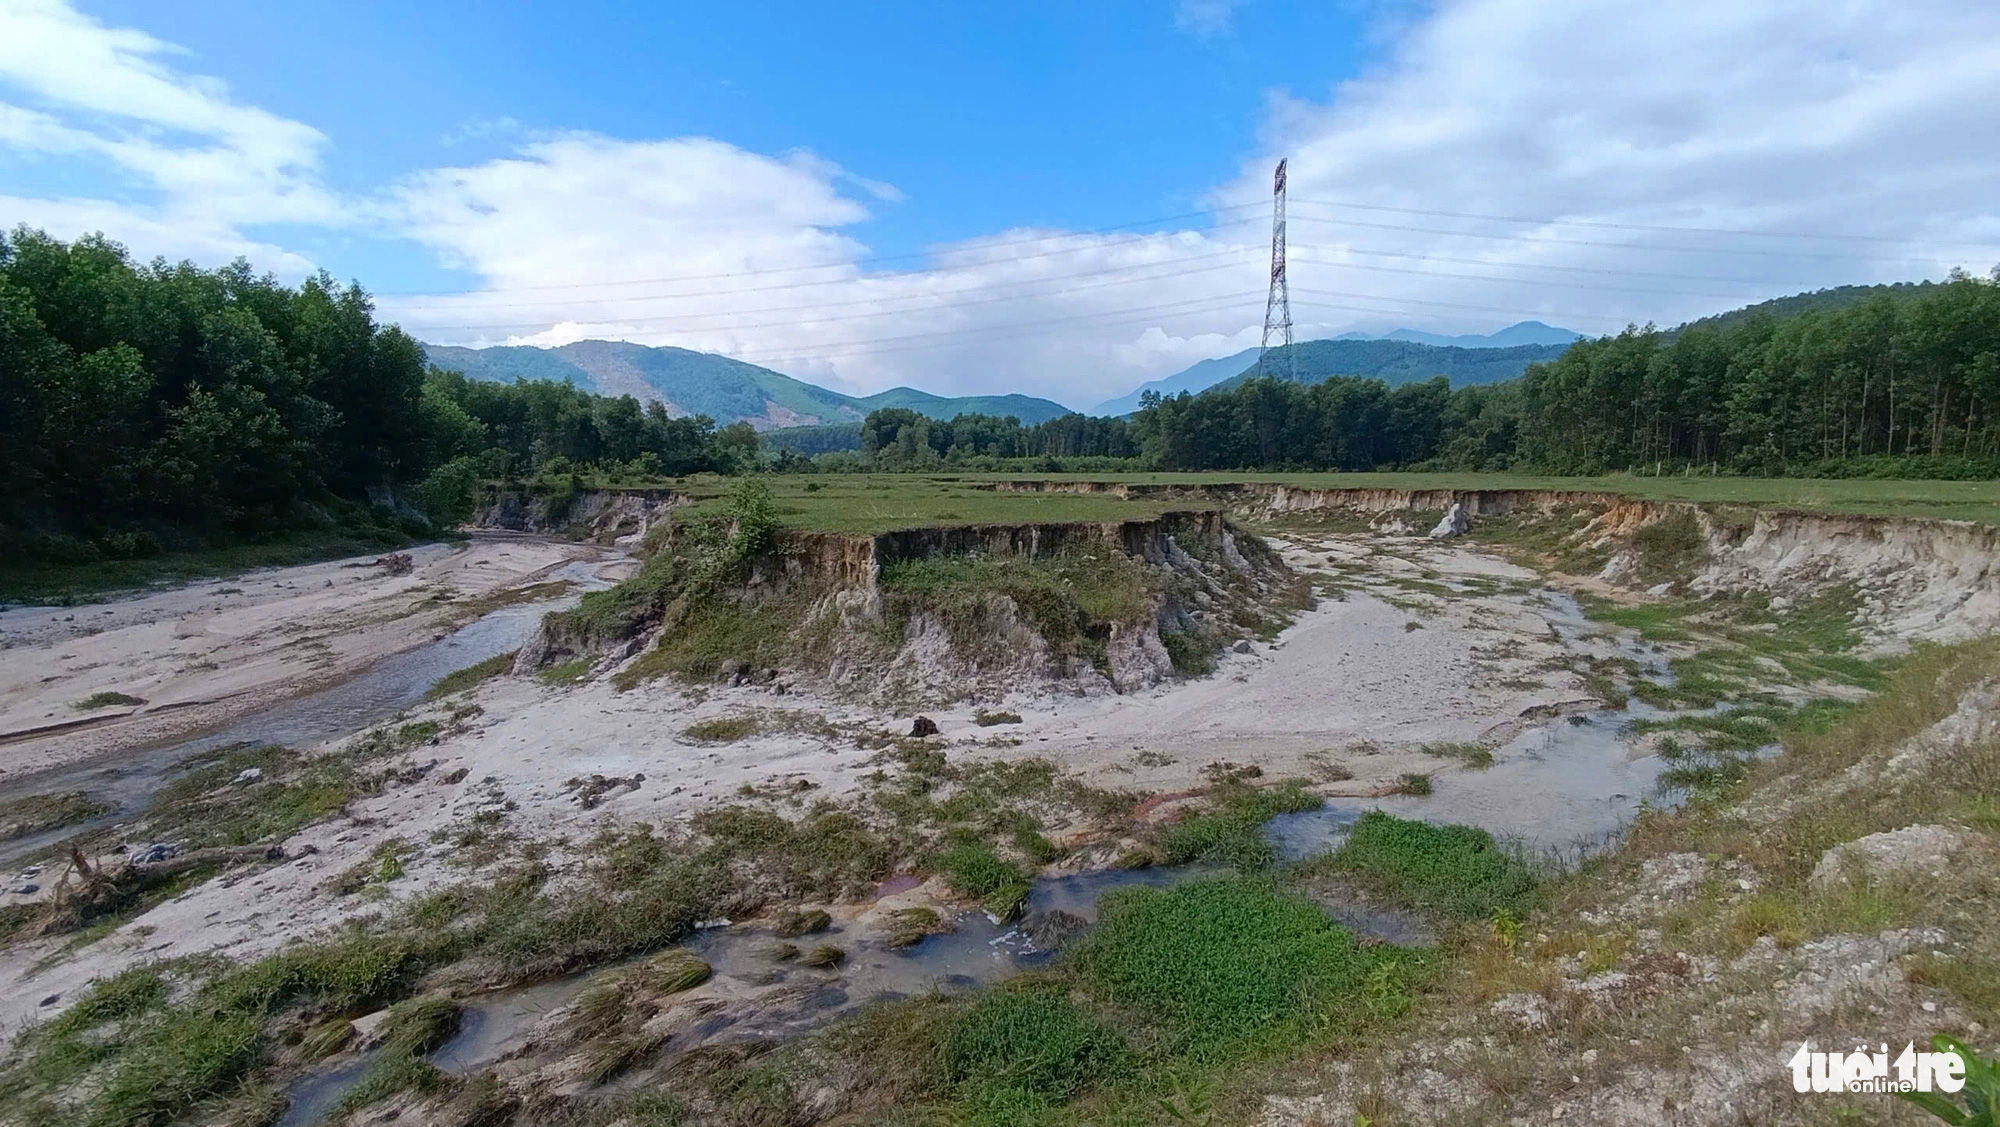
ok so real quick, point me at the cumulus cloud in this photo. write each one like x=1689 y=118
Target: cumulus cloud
x=201 y=166
x=1583 y=162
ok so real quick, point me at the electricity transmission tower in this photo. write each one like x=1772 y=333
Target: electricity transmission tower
x=1277 y=307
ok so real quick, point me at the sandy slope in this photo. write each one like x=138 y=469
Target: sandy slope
x=203 y=653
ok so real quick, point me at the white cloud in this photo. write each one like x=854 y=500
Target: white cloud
x=207 y=165
x=1867 y=118
x=1205 y=18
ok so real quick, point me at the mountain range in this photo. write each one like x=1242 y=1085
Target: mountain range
x=1399 y=357
x=726 y=390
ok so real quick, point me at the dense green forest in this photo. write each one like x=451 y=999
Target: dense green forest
x=1903 y=383
x=149 y=407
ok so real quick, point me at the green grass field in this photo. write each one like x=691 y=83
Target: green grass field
x=873 y=503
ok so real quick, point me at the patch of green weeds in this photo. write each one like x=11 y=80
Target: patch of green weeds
x=472 y=676
x=565 y=673
x=37 y=813
x=1456 y=871
x=107 y=700
x=1231 y=963
x=721 y=729
x=1029 y=1045
x=1232 y=833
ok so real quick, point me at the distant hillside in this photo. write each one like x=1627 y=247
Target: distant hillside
x=1839 y=297
x=1388 y=365
x=1513 y=336
x=1206 y=374
x=702 y=383
x=1396 y=362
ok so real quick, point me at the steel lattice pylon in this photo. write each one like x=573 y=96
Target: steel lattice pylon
x=1278 y=307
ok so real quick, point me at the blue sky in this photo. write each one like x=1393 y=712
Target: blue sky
x=953 y=197
x=983 y=117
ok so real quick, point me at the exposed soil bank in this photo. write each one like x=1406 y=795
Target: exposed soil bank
x=1915 y=578
x=605 y=515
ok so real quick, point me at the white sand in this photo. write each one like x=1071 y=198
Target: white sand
x=1347 y=684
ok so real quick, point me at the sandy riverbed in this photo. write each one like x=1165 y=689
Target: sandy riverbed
x=1354 y=687
x=204 y=653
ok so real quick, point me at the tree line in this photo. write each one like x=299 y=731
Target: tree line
x=1903 y=383
x=146 y=406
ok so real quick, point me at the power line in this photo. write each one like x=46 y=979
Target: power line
x=1734 y=232
x=1599 y=243
x=1458 y=305
x=1533 y=281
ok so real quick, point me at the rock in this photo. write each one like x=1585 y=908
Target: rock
x=246 y=776
x=1529 y=1011
x=1911 y=851
x=923 y=726
x=1243 y=647
x=1053 y=930
x=1658 y=589
x=1455 y=523
x=367 y=1027
x=157 y=852
x=26 y=889
x=1779 y=602
x=735 y=670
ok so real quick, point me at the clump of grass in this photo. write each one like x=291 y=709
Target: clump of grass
x=36 y=813
x=1413 y=783
x=565 y=673
x=830 y=852
x=987 y=719
x=459 y=680
x=410 y=1031
x=973 y=869
x=1028 y=1042
x=721 y=729
x=823 y=956
x=107 y=700
x=1035 y=847
x=1232 y=961
x=1192 y=653
x=1475 y=755
x=673 y=971
x=1233 y=832
x=909 y=926
x=1455 y=871
x=796 y=922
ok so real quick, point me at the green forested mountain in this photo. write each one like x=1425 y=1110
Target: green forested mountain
x=1815 y=301
x=1397 y=362
x=702 y=383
